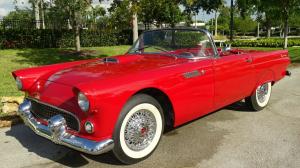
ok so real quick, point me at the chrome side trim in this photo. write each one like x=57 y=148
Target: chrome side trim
x=65 y=111
x=110 y=60
x=57 y=133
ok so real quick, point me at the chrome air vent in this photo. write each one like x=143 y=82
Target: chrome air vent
x=110 y=60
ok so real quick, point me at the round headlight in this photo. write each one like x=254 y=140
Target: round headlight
x=19 y=83
x=83 y=102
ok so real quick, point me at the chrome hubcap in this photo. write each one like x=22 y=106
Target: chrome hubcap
x=261 y=92
x=140 y=130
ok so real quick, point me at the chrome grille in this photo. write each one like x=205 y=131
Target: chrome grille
x=45 y=112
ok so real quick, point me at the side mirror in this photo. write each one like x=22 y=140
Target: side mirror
x=227 y=47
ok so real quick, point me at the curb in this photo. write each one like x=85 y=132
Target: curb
x=10 y=120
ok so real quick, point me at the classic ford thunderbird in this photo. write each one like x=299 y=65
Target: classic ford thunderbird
x=124 y=103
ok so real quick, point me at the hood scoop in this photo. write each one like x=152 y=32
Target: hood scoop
x=110 y=60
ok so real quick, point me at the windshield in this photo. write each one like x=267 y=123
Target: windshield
x=179 y=43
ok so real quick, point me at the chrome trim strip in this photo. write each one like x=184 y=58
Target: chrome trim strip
x=65 y=111
x=57 y=133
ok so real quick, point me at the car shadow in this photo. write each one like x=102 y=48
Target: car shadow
x=239 y=106
x=57 y=153
x=71 y=158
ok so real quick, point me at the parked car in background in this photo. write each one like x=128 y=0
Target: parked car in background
x=124 y=103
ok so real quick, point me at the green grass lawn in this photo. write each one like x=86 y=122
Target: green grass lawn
x=13 y=59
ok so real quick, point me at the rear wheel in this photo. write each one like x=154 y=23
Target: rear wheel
x=138 y=130
x=260 y=98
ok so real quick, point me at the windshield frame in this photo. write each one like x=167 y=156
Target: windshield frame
x=211 y=40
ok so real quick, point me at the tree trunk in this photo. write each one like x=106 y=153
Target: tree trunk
x=286 y=32
x=69 y=24
x=195 y=20
x=135 y=27
x=231 y=20
x=77 y=38
x=216 y=23
x=212 y=25
x=257 y=29
x=42 y=14
x=37 y=13
x=269 y=31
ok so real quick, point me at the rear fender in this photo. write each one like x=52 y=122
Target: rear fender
x=264 y=77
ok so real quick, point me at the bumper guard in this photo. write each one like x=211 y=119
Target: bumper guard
x=56 y=132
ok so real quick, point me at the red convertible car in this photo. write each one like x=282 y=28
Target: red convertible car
x=124 y=103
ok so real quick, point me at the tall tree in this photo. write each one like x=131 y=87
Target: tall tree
x=287 y=8
x=94 y=15
x=42 y=13
x=224 y=19
x=127 y=10
x=20 y=14
x=194 y=6
x=217 y=8
x=231 y=20
x=168 y=11
x=36 y=8
x=120 y=16
x=244 y=24
x=74 y=10
x=135 y=29
x=274 y=10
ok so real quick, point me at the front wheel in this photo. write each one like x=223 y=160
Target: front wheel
x=260 y=98
x=138 y=130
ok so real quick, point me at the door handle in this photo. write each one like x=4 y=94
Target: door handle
x=194 y=73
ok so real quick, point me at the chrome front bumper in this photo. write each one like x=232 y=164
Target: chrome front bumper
x=56 y=132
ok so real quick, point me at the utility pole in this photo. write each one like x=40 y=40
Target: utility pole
x=231 y=20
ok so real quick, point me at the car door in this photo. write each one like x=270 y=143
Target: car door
x=192 y=95
x=234 y=78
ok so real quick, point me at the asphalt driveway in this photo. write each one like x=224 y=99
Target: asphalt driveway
x=231 y=137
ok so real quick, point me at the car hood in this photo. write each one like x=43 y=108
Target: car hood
x=111 y=67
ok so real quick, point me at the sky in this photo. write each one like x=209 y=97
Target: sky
x=8 y=5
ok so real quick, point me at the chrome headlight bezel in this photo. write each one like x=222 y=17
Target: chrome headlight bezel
x=19 y=83
x=83 y=102
x=89 y=127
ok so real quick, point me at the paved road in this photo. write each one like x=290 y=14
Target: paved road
x=231 y=137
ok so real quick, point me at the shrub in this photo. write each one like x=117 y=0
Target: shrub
x=271 y=42
x=14 y=38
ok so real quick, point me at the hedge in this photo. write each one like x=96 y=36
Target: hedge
x=271 y=42
x=12 y=38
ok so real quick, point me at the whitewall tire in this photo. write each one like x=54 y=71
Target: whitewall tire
x=260 y=98
x=139 y=129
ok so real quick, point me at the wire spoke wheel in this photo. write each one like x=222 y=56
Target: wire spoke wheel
x=140 y=130
x=262 y=92
x=260 y=98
